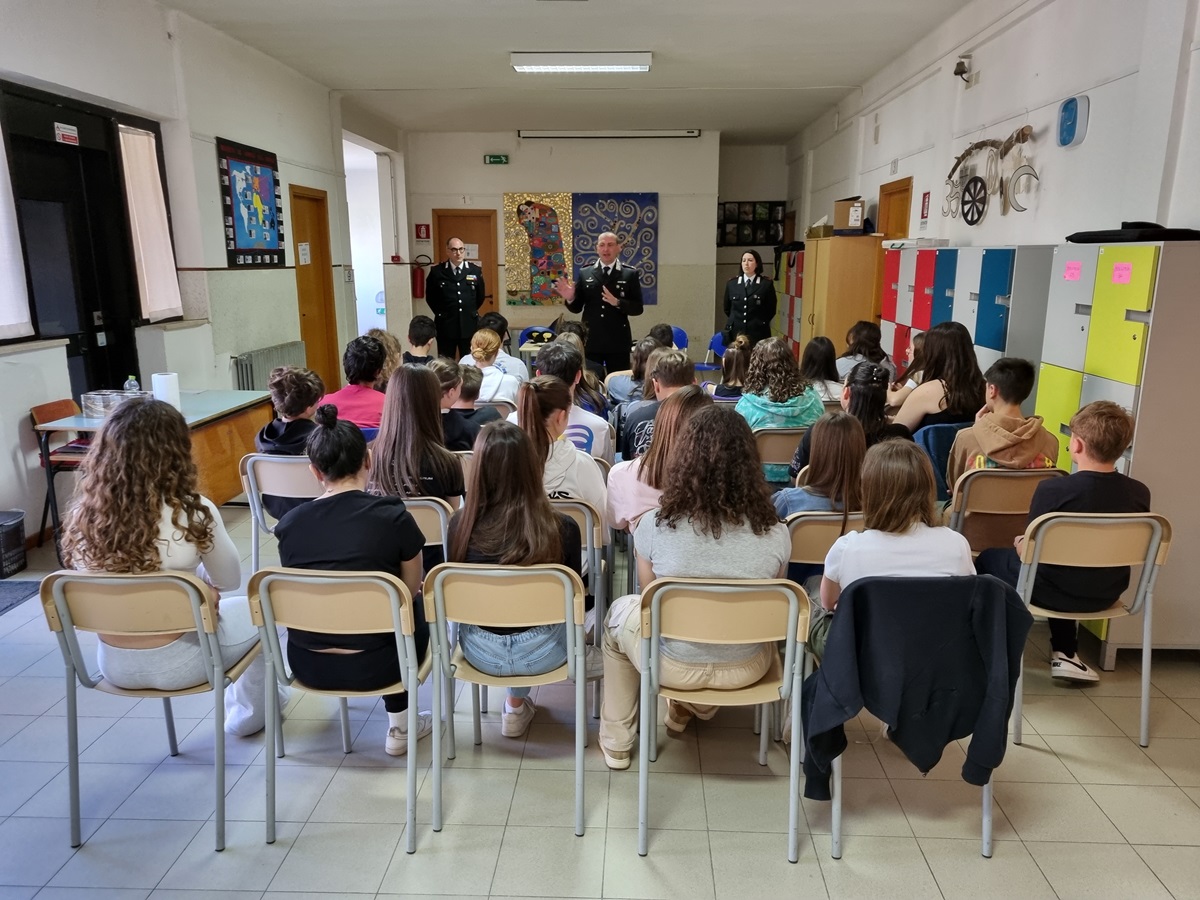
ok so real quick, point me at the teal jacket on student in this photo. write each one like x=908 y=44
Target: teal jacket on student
x=798 y=412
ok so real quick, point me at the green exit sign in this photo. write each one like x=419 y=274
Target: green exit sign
x=496 y=159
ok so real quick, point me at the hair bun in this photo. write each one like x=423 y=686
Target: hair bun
x=879 y=375
x=327 y=415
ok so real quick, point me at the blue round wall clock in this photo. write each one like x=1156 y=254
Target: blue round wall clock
x=1072 y=121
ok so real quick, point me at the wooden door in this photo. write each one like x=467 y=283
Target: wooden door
x=314 y=282
x=895 y=204
x=476 y=228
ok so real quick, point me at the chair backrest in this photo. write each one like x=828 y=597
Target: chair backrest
x=55 y=409
x=813 y=533
x=589 y=520
x=503 y=596
x=330 y=602
x=936 y=441
x=832 y=405
x=503 y=407
x=724 y=611
x=777 y=446
x=716 y=347
x=679 y=337
x=369 y=434
x=990 y=507
x=433 y=518
x=276 y=476
x=802 y=477
x=467 y=458
x=1096 y=540
x=605 y=466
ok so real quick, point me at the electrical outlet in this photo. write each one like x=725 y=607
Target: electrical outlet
x=349 y=270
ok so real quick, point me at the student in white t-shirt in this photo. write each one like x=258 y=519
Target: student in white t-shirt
x=509 y=365
x=902 y=537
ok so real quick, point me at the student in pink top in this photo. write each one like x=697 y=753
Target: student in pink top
x=358 y=401
x=634 y=486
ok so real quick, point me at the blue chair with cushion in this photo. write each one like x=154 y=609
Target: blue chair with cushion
x=936 y=440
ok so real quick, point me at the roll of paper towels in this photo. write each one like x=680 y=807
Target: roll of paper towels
x=166 y=387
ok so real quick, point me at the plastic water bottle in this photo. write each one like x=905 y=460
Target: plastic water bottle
x=131 y=384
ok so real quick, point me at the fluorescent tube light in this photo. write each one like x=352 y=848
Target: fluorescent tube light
x=546 y=63
x=525 y=134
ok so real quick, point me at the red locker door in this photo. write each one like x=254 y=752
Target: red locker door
x=891 y=283
x=923 y=289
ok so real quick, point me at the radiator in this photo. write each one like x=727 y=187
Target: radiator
x=254 y=368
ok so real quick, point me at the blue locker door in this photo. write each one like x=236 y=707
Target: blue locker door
x=943 y=286
x=995 y=292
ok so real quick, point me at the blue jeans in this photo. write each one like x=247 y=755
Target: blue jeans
x=536 y=651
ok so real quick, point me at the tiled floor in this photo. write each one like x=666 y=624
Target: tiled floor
x=1081 y=810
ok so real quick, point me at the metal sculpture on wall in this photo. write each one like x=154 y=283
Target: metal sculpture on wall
x=968 y=193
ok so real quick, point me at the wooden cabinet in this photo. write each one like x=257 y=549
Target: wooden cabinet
x=839 y=280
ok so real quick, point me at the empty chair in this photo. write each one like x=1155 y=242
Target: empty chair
x=159 y=603
x=777 y=446
x=712 y=358
x=936 y=441
x=990 y=507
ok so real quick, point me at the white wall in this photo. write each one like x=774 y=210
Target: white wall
x=366 y=233
x=447 y=171
x=1129 y=56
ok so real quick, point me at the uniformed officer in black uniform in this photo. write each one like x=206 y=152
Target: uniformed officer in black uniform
x=607 y=294
x=454 y=292
x=749 y=302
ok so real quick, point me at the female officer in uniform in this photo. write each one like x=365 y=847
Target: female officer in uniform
x=749 y=302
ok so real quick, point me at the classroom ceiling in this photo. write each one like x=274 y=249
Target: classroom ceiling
x=757 y=73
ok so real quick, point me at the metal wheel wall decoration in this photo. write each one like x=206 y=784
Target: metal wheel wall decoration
x=974 y=200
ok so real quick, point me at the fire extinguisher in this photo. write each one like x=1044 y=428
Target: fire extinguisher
x=418 y=276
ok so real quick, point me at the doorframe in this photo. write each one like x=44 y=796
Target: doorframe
x=330 y=302
x=893 y=192
x=439 y=245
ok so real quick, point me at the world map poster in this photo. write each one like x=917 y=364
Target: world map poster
x=250 y=200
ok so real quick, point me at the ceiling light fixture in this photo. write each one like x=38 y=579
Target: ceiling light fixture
x=545 y=63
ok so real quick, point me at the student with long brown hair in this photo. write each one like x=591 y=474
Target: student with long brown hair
x=952 y=388
x=818 y=366
x=136 y=510
x=834 y=474
x=635 y=485
x=715 y=520
x=863 y=345
x=508 y=520
x=411 y=459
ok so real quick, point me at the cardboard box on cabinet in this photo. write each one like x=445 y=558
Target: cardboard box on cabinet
x=849 y=215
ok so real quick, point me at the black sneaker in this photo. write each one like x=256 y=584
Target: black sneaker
x=1071 y=668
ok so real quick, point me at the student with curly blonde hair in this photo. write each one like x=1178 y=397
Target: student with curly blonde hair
x=393 y=359
x=136 y=510
x=485 y=347
x=715 y=520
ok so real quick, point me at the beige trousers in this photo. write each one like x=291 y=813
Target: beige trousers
x=622 y=680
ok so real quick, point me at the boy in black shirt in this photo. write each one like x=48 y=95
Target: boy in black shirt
x=1100 y=432
x=295 y=393
x=421 y=334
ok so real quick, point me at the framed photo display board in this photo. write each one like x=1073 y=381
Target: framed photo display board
x=250 y=204
x=750 y=223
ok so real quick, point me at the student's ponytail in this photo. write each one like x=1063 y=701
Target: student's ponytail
x=538 y=399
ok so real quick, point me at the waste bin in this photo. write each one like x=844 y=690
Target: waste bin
x=12 y=542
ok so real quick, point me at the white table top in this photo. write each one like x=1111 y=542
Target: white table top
x=199 y=408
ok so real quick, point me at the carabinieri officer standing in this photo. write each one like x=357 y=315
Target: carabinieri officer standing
x=607 y=294
x=749 y=302
x=454 y=293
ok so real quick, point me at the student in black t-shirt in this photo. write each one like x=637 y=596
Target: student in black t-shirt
x=1100 y=432
x=349 y=530
x=457 y=432
x=508 y=520
x=295 y=393
x=421 y=334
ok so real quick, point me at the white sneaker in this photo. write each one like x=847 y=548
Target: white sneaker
x=515 y=722
x=397 y=738
x=1071 y=668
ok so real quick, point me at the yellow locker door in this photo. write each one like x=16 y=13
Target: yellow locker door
x=1116 y=345
x=1058 y=400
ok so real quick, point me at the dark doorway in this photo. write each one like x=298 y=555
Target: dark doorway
x=74 y=231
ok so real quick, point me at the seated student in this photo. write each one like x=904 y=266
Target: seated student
x=818 y=366
x=509 y=365
x=485 y=346
x=568 y=472
x=295 y=393
x=838 y=447
x=1100 y=432
x=358 y=402
x=863 y=345
x=589 y=393
x=136 y=510
x=476 y=416
x=635 y=485
x=664 y=334
x=1002 y=436
x=508 y=520
x=914 y=362
x=697 y=532
x=623 y=387
x=735 y=363
x=901 y=538
x=951 y=389
x=585 y=430
x=421 y=335
x=863 y=396
x=458 y=433
x=349 y=530
x=394 y=356
x=670 y=370
x=776 y=396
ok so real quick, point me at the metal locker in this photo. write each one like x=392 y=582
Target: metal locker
x=887 y=337
x=1125 y=276
x=995 y=296
x=891 y=283
x=1096 y=388
x=902 y=339
x=1058 y=396
x=986 y=356
x=966 y=287
x=922 y=313
x=1069 y=305
x=906 y=284
x=945 y=271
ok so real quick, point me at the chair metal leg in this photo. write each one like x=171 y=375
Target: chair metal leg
x=835 y=811
x=483 y=700
x=580 y=733
x=218 y=679
x=45 y=514
x=794 y=778
x=1018 y=704
x=1144 y=732
x=475 y=705
x=987 y=820
x=758 y=719
x=279 y=748
x=273 y=738
x=169 y=717
x=646 y=741
x=254 y=548
x=73 y=756
x=439 y=686
x=410 y=763
x=450 y=749
x=344 y=708
x=764 y=732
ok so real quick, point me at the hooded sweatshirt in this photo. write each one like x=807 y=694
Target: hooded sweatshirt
x=1002 y=442
x=571 y=474
x=798 y=412
x=284 y=439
